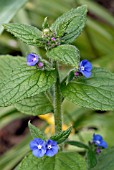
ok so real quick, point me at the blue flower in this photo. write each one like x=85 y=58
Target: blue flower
x=32 y=59
x=38 y=147
x=98 y=140
x=85 y=68
x=51 y=148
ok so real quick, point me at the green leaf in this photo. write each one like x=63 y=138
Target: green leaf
x=22 y=81
x=96 y=92
x=35 y=105
x=28 y=34
x=78 y=144
x=35 y=132
x=62 y=136
x=71 y=23
x=91 y=158
x=61 y=161
x=67 y=54
x=8 y=9
x=105 y=160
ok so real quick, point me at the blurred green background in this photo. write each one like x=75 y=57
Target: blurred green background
x=96 y=44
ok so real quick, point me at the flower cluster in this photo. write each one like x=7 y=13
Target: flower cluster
x=99 y=142
x=33 y=59
x=51 y=39
x=85 y=68
x=40 y=148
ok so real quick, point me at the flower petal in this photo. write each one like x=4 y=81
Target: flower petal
x=87 y=74
x=38 y=152
x=97 y=137
x=32 y=59
x=52 y=152
x=103 y=144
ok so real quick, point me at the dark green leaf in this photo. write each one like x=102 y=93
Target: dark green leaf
x=62 y=136
x=61 y=161
x=35 y=132
x=28 y=34
x=96 y=92
x=71 y=23
x=8 y=9
x=22 y=81
x=67 y=54
x=105 y=160
x=35 y=105
x=91 y=159
x=78 y=144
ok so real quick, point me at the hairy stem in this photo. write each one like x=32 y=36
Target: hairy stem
x=57 y=102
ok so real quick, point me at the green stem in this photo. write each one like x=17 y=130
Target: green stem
x=57 y=103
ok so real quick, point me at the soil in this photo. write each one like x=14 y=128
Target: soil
x=15 y=131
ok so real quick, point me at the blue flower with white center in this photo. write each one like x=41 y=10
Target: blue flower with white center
x=98 y=140
x=38 y=147
x=51 y=148
x=85 y=68
x=32 y=59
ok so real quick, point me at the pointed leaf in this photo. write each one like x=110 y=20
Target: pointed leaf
x=71 y=23
x=62 y=136
x=61 y=161
x=67 y=54
x=35 y=132
x=22 y=81
x=78 y=144
x=28 y=34
x=36 y=105
x=96 y=92
x=105 y=160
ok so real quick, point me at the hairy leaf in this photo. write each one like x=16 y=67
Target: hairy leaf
x=36 y=105
x=67 y=54
x=71 y=23
x=8 y=9
x=96 y=92
x=62 y=136
x=105 y=160
x=28 y=34
x=22 y=81
x=61 y=161
x=78 y=144
x=35 y=132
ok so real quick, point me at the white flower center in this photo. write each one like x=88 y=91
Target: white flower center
x=39 y=146
x=97 y=142
x=49 y=147
x=82 y=68
x=34 y=59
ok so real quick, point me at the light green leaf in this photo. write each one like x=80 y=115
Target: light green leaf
x=62 y=136
x=35 y=132
x=8 y=9
x=61 y=161
x=71 y=23
x=22 y=81
x=96 y=92
x=67 y=54
x=105 y=160
x=28 y=34
x=36 y=105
